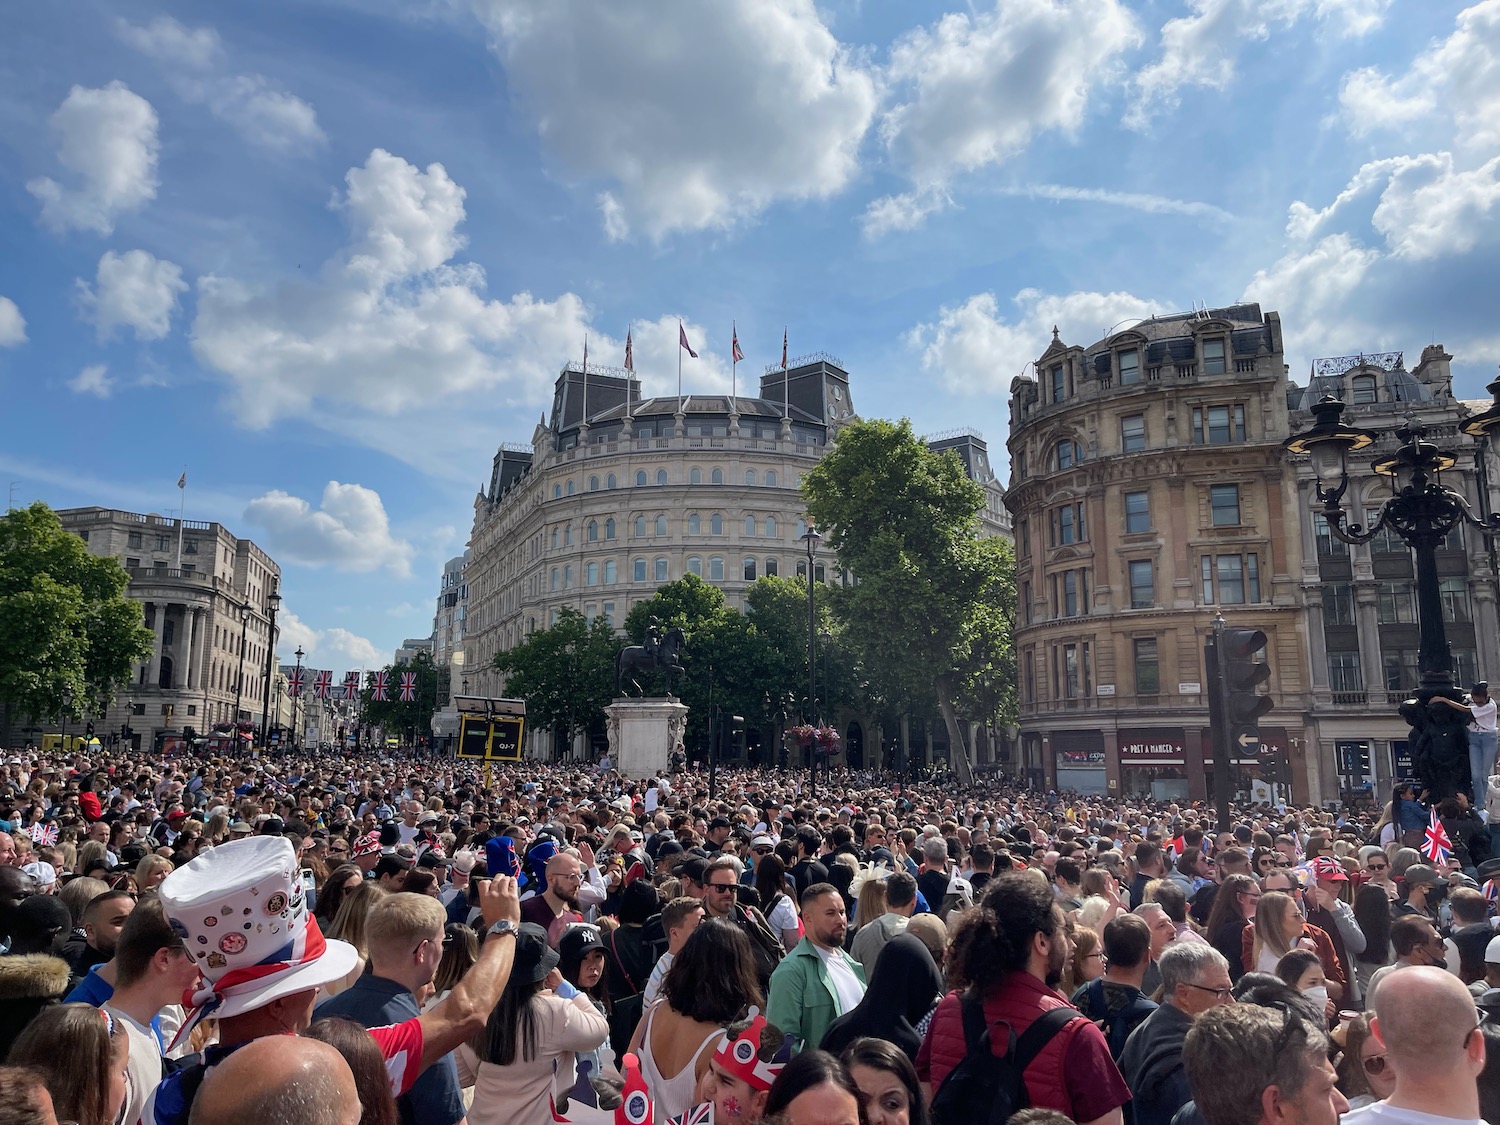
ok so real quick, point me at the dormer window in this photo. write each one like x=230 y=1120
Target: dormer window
x=1363 y=387
x=1129 y=363
x=1059 y=383
x=1213 y=356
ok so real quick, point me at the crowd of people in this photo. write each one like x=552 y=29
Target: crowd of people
x=342 y=939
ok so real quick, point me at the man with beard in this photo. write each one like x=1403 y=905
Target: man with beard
x=556 y=908
x=817 y=981
x=1012 y=948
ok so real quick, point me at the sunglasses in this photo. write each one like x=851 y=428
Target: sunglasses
x=1376 y=866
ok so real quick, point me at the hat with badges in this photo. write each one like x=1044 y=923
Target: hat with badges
x=241 y=912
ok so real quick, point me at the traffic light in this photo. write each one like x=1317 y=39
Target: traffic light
x=1243 y=674
x=90 y=728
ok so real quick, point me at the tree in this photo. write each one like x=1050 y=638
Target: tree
x=396 y=716
x=67 y=630
x=927 y=608
x=566 y=673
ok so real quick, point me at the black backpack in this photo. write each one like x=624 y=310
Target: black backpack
x=764 y=944
x=984 y=1090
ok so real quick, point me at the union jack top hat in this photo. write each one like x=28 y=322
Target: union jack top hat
x=240 y=910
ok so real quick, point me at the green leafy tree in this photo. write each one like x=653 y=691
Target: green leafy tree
x=397 y=717
x=926 y=608
x=67 y=630
x=566 y=674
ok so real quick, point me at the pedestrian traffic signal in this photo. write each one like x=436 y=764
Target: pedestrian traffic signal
x=1243 y=674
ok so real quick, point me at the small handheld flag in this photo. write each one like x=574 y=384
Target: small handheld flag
x=1437 y=847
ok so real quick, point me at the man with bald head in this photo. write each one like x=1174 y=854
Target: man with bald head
x=283 y=1079
x=557 y=907
x=1426 y=1021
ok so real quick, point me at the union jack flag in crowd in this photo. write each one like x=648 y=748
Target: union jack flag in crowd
x=1437 y=848
x=43 y=834
x=699 y=1115
x=294 y=682
x=351 y=684
x=377 y=684
x=323 y=684
x=408 y=687
x=1491 y=891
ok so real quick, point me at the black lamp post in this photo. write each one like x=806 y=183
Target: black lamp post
x=239 y=676
x=811 y=538
x=273 y=603
x=1421 y=511
x=296 y=679
x=67 y=704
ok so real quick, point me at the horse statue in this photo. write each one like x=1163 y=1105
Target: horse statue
x=660 y=652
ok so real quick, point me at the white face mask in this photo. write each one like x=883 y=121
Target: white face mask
x=1318 y=994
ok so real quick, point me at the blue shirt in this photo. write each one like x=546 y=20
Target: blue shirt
x=436 y=1097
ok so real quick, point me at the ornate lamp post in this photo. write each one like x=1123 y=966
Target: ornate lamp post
x=1421 y=511
x=273 y=603
x=811 y=539
x=239 y=676
x=297 y=679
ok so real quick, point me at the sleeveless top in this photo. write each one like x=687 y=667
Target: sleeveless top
x=676 y=1095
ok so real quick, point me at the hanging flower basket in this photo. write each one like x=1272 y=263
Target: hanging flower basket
x=827 y=739
x=804 y=734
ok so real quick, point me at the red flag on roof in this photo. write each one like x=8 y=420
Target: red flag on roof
x=682 y=340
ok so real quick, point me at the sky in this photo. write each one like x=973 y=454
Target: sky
x=325 y=255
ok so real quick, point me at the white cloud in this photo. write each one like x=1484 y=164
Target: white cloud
x=336 y=648
x=133 y=290
x=93 y=380
x=349 y=531
x=974 y=351
x=1201 y=48
x=905 y=211
x=692 y=122
x=1457 y=80
x=405 y=221
x=975 y=89
x=107 y=139
x=12 y=324
x=193 y=61
x=1132 y=200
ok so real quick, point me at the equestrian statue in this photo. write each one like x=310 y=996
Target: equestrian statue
x=660 y=652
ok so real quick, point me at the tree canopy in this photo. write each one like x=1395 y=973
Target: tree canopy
x=566 y=673
x=67 y=630
x=397 y=717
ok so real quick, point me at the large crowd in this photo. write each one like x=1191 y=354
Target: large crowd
x=351 y=939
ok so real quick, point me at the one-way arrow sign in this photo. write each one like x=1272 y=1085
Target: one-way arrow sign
x=1247 y=740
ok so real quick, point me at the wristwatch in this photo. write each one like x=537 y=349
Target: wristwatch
x=505 y=926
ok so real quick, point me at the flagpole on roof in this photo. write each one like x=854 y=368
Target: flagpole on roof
x=734 y=362
x=630 y=367
x=681 y=336
x=585 y=419
x=786 y=386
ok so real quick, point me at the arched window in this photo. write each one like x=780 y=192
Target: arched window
x=716 y=568
x=554 y=578
x=749 y=525
x=557 y=492
x=593 y=532
x=770 y=478
x=554 y=538
x=717 y=477
x=609 y=528
x=639 y=531
x=801 y=568
x=716 y=524
x=640 y=478
x=659 y=568
x=661 y=476
x=568 y=576
x=609 y=481
x=570 y=488
x=695 y=476
x=638 y=570
x=749 y=476
x=770 y=528
x=819 y=574
x=609 y=572
x=661 y=525
x=695 y=565
x=593 y=484
x=591 y=574
x=567 y=535
x=747 y=566
x=693 y=525
x=772 y=568
x=801 y=528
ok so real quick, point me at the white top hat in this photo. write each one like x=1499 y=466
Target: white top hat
x=241 y=911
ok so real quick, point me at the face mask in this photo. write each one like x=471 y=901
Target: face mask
x=1318 y=994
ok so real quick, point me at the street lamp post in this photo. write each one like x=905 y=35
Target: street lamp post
x=273 y=603
x=239 y=676
x=67 y=703
x=297 y=679
x=1421 y=511
x=811 y=539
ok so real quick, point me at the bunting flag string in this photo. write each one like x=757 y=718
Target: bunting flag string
x=408 y=687
x=351 y=685
x=294 y=681
x=377 y=684
x=323 y=684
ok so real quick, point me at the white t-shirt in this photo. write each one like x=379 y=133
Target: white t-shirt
x=1484 y=717
x=143 y=1066
x=1382 y=1114
x=782 y=917
x=658 y=974
x=846 y=986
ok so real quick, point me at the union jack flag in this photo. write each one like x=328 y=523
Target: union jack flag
x=408 y=687
x=351 y=684
x=377 y=683
x=43 y=835
x=699 y=1115
x=323 y=684
x=294 y=682
x=1491 y=891
x=1437 y=848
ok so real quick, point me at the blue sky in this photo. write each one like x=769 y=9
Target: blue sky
x=327 y=254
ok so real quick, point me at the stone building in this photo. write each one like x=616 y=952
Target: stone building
x=1148 y=492
x=207 y=609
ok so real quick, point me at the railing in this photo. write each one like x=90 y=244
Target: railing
x=1187 y=370
x=1349 y=698
x=804 y=360
x=1244 y=367
x=1155 y=702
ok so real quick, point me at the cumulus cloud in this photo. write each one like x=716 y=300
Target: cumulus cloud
x=334 y=648
x=1201 y=48
x=193 y=60
x=107 y=139
x=974 y=350
x=974 y=89
x=93 y=380
x=695 y=122
x=1455 y=82
x=348 y=531
x=12 y=324
x=134 y=290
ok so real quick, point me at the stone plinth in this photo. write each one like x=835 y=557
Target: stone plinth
x=643 y=733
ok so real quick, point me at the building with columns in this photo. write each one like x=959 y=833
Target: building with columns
x=206 y=606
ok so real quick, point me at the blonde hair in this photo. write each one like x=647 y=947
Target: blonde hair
x=148 y=866
x=1269 y=931
x=399 y=922
x=349 y=924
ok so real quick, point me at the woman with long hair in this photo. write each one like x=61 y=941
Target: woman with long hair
x=1277 y=931
x=1365 y=1076
x=371 y=1082
x=776 y=901
x=460 y=951
x=1233 y=909
x=815 y=1088
x=512 y=1061
x=903 y=988
x=341 y=880
x=82 y=1052
x=151 y=870
x=888 y=1081
x=1372 y=913
x=349 y=925
x=711 y=983
x=1086 y=962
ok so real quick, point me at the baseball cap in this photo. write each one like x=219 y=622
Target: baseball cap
x=1420 y=875
x=1331 y=870
x=1492 y=951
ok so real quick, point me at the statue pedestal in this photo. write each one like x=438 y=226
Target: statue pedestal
x=643 y=733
